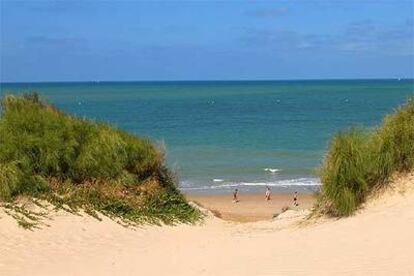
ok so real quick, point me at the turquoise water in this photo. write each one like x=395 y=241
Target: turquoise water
x=219 y=135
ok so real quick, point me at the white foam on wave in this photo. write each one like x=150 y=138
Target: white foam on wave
x=271 y=170
x=218 y=180
x=279 y=183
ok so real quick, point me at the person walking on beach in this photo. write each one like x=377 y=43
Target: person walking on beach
x=267 y=194
x=295 y=199
x=235 y=196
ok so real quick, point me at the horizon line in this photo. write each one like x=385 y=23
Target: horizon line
x=210 y=80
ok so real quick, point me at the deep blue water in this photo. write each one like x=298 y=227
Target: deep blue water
x=218 y=135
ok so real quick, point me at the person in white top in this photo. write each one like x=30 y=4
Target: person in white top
x=267 y=194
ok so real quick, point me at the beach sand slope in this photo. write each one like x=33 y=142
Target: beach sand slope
x=376 y=241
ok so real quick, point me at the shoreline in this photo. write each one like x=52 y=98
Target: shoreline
x=251 y=206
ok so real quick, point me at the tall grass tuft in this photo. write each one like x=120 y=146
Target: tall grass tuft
x=359 y=160
x=10 y=178
x=74 y=162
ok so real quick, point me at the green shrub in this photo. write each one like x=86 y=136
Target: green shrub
x=34 y=185
x=358 y=160
x=69 y=161
x=102 y=155
x=398 y=132
x=10 y=178
x=142 y=158
x=344 y=176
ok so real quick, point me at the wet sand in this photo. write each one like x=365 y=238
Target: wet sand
x=251 y=206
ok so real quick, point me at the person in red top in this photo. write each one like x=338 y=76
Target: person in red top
x=295 y=199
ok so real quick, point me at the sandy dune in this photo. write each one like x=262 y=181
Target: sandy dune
x=377 y=241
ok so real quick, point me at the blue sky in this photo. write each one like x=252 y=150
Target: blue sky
x=201 y=40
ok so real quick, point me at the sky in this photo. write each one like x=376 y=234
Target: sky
x=92 y=40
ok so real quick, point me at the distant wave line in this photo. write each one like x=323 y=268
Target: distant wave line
x=281 y=183
x=272 y=170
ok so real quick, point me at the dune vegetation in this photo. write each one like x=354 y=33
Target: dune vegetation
x=359 y=161
x=75 y=164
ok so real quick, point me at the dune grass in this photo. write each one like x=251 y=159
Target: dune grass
x=360 y=160
x=75 y=163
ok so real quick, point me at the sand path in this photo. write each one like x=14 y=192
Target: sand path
x=377 y=241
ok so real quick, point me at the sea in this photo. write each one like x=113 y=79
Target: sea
x=222 y=135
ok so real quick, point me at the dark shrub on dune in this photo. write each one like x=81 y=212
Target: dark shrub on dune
x=68 y=161
x=358 y=161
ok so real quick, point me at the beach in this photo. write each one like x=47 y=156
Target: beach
x=251 y=206
x=206 y=138
x=375 y=241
